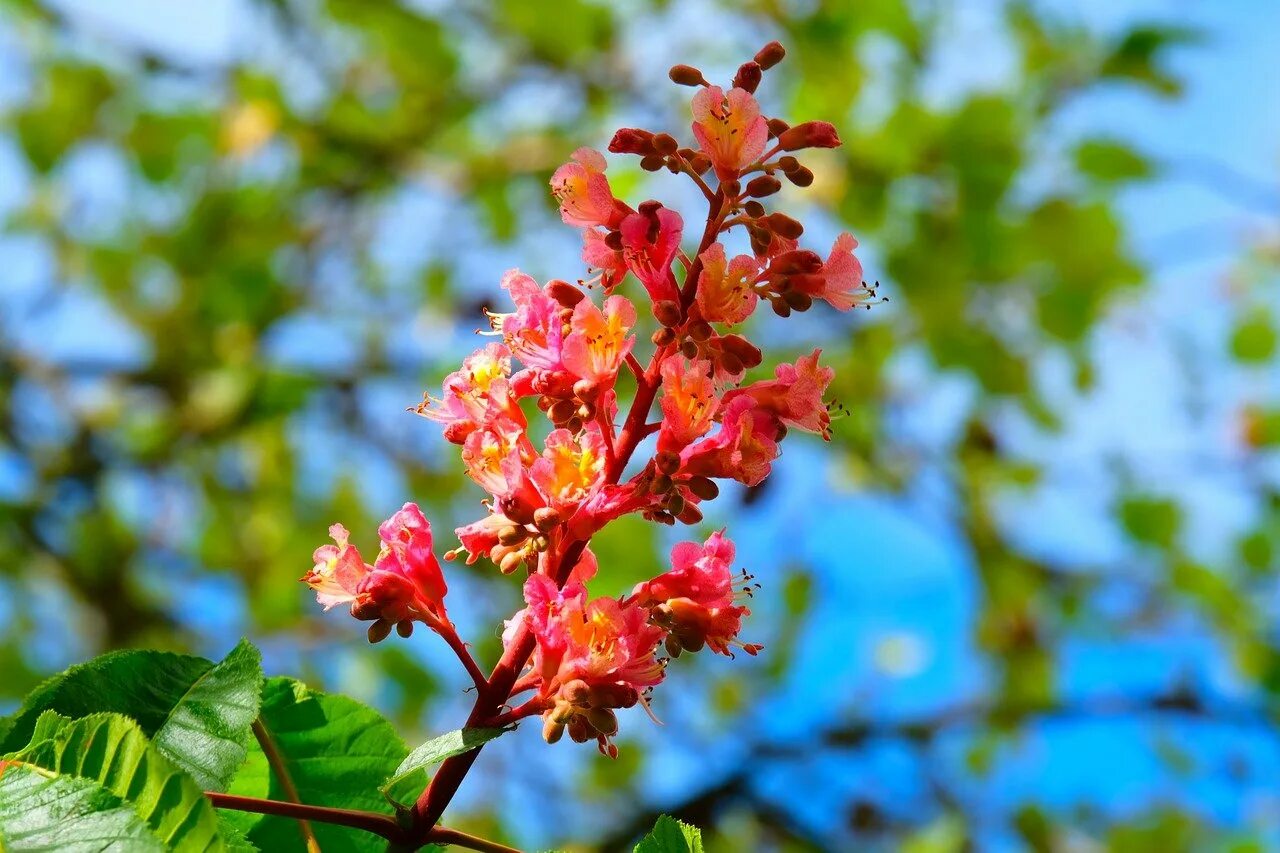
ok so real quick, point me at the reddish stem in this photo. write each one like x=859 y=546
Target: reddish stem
x=378 y=824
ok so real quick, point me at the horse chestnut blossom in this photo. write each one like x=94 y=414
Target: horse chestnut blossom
x=572 y=656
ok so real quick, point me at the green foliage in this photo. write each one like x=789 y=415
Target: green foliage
x=336 y=751
x=1108 y=161
x=197 y=713
x=1254 y=339
x=112 y=750
x=43 y=812
x=438 y=749
x=671 y=836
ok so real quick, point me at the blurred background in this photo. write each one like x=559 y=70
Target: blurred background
x=1026 y=599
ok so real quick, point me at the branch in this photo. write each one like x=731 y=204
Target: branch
x=450 y=635
x=441 y=835
x=378 y=824
x=276 y=761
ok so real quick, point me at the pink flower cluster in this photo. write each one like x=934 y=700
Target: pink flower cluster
x=553 y=487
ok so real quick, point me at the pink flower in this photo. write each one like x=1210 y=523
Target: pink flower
x=839 y=282
x=599 y=340
x=688 y=402
x=725 y=289
x=795 y=395
x=597 y=255
x=583 y=192
x=474 y=393
x=649 y=245
x=729 y=128
x=695 y=600
x=404 y=583
x=534 y=331
x=338 y=570
x=487 y=449
x=571 y=467
x=743 y=449
x=591 y=657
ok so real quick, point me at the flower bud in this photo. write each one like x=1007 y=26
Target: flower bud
x=754 y=209
x=748 y=353
x=562 y=411
x=730 y=363
x=689 y=349
x=731 y=188
x=763 y=186
x=576 y=692
x=798 y=299
x=675 y=503
x=664 y=337
x=661 y=484
x=510 y=562
x=699 y=163
x=603 y=720
x=787 y=163
x=785 y=226
x=776 y=127
x=405 y=628
x=665 y=143
x=667 y=312
x=652 y=162
x=704 y=487
x=614 y=240
x=770 y=55
x=800 y=176
x=700 y=330
x=574 y=424
x=546 y=518
x=580 y=730
x=810 y=134
x=631 y=140
x=748 y=76
x=686 y=75
x=512 y=535
x=672 y=646
x=780 y=307
x=551 y=730
x=564 y=293
x=586 y=390
x=379 y=631
x=690 y=515
x=667 y=461
x=516 y=509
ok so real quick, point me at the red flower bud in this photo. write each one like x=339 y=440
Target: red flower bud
x=748 y=76
x=810 y=134
x=770 y=55
x=631 y=140
x=686 y=75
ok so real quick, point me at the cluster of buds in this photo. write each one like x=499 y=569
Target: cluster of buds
x=553 y=486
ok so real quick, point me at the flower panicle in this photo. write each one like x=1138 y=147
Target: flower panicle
x=555 y=482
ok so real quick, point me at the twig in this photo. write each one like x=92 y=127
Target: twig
x=381 y=825
x=276 y=761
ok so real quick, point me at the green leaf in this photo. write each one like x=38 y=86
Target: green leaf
x=206 y=731
x=197 y=713
x=111 y=750
x=1151 y=520
x=671 y=836
x=438 y=749
x=1253 y=341
x=1108 y=161
x=336 y=751
x=40 y=812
